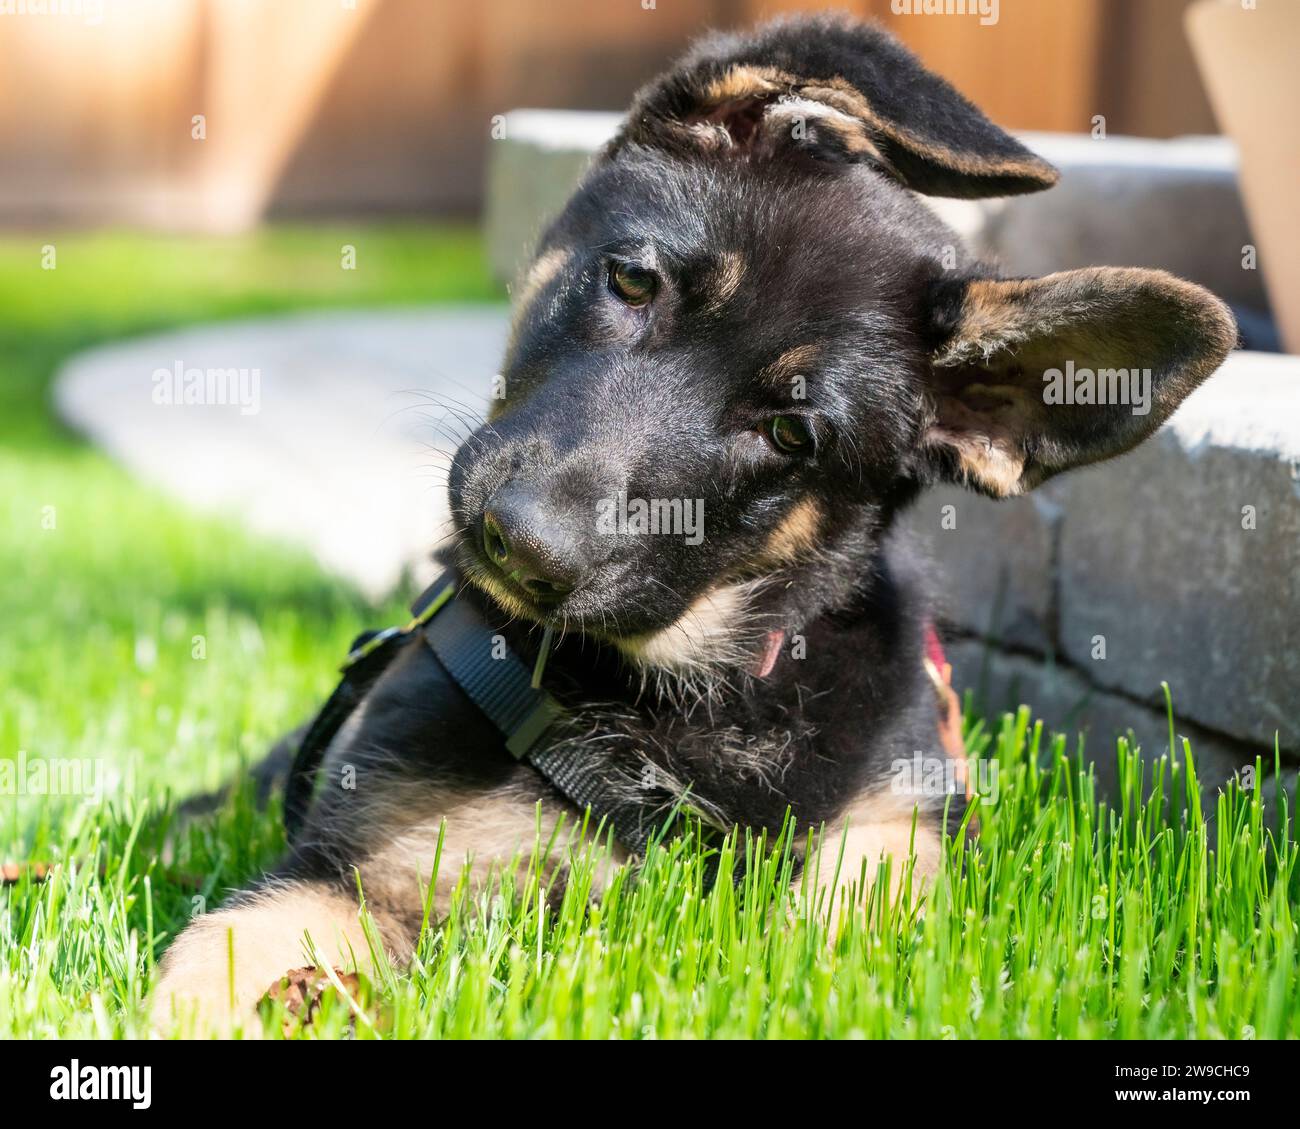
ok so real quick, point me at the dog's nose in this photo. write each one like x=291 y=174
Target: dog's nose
x=526 y=542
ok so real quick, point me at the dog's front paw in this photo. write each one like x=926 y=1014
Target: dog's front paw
x=223 y=965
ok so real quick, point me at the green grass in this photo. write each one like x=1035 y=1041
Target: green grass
x=1067 y=917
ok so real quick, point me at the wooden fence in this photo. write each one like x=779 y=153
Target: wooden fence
x=211 y=113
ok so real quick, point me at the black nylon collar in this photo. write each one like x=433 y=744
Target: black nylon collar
x=500 y=683
x=493 y=677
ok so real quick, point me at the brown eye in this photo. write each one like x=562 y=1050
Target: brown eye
x=788 y=434
x=632 y=283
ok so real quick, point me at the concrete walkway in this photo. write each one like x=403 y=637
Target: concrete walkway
x=335 y=437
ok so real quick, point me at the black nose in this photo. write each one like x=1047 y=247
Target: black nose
x=529 y=544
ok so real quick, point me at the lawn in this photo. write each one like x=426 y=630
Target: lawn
x=165 y=650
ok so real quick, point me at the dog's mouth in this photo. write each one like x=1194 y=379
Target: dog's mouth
x=718 y=628
x=546 y=601
x=541 y=556
x=506 y=591
x=534 y=600
x=543 y=565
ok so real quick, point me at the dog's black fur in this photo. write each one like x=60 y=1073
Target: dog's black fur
x=763 y=199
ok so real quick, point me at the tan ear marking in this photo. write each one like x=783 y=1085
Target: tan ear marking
x=991 y=464
x=845 y=97
x=990 y=410
x=741 y=82
x=990 y=320
x=851 y=131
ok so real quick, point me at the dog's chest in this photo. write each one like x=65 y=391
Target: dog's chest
x=810 y=742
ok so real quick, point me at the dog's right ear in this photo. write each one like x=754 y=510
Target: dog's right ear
x=1035 y=376
x=834 y=90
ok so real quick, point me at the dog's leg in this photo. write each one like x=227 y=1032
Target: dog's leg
x=873 y=829
x=480 y=834
x=225 y=961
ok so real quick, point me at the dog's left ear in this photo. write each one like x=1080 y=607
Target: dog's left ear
x=830 y=89
x=1034 y=376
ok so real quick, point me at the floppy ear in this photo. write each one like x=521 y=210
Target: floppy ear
x=833 y=89
x=1035 y=376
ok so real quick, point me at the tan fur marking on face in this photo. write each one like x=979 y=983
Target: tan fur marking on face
x=790 y=364
x=705 y=634
x=724 y=282
x=795 y=535
x=545 y=268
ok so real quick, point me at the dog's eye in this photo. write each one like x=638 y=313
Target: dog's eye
x=788 y=434
x=632 y=283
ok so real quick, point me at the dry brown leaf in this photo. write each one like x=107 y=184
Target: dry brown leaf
x=300 y=990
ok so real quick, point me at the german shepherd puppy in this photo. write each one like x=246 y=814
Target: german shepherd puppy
x=746 y=309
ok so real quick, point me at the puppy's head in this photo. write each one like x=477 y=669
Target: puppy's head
x=747 y=341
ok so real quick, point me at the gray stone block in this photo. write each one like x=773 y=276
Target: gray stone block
x=532 y=170
x=1158 y=561
x=1127 y=201
x=995 y=562
x=1068 y=705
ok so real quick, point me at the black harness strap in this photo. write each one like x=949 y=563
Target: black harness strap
x=499 y=683
x=371 y=654
x=492 y=676
x=311 y=749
